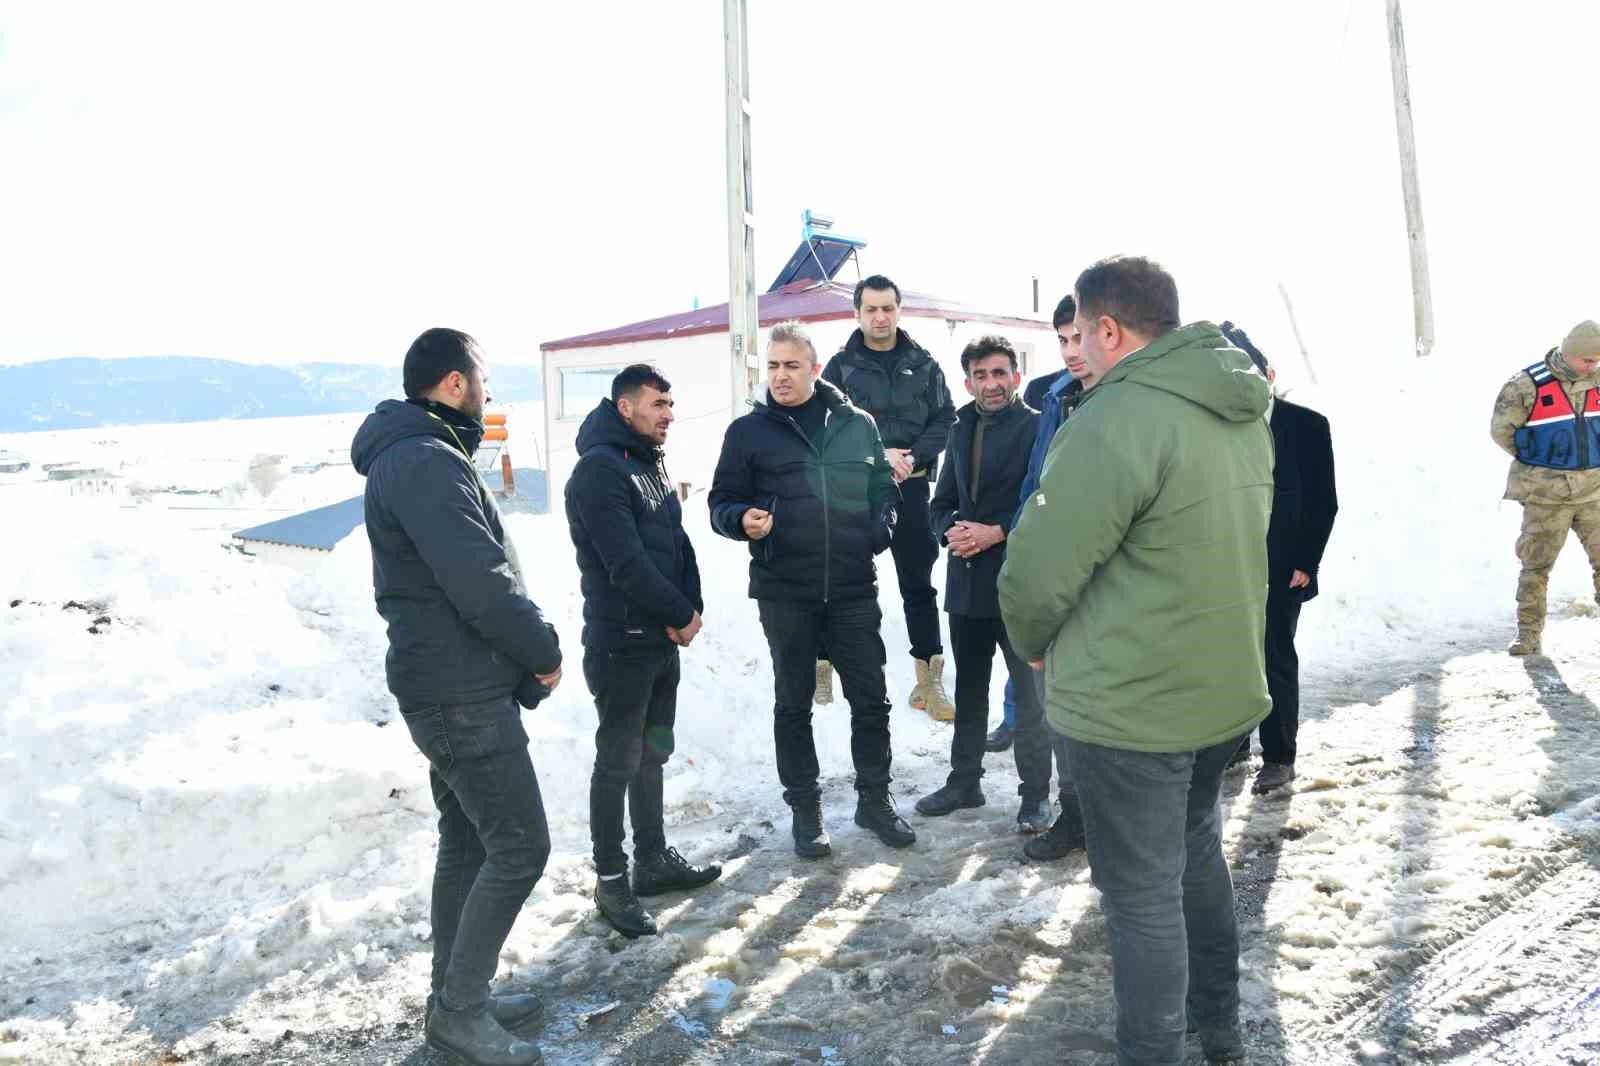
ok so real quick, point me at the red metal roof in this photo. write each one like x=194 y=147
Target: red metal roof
x=806 y=301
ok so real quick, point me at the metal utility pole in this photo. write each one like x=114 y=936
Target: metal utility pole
x=743 y=318
x=1421 y=288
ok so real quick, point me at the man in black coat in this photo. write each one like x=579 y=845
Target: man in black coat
x=972 y=509
x=894 y=379
x=641 y=603
x=1304 y=503
x=803 y=478
x=466 y=645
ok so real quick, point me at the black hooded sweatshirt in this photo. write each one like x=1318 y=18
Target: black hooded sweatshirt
x=461 y=626
x=638 y=567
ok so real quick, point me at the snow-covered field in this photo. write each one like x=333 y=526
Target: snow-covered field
x=216 y=836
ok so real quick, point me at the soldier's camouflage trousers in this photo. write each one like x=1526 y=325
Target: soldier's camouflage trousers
x=1544 y=532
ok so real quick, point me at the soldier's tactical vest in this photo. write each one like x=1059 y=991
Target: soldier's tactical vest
x=1555 y=435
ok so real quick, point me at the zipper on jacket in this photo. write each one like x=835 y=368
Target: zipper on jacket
x=822 y=473
x=1583 y=434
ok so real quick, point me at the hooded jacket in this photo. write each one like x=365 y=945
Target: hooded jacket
x=1139 y=569
x=833 y=501
x=638 y=567
x=461 y=626
x=907 y=398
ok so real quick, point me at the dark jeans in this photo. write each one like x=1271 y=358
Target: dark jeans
x=1280 y=728
x=636 y=695
x=973 y=642
x=1068 y=792
x=1154 y=827
x=915 y=551
x=493 y=838
x=850 y=628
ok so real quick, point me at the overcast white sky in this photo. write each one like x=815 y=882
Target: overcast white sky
x=323 y=180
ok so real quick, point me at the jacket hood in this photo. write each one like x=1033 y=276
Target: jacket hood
x=605 y=425
x=1197 y=363
x=857 y=343
x=398 y=420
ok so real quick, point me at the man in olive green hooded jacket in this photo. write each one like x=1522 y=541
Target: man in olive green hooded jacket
x=1138 y=576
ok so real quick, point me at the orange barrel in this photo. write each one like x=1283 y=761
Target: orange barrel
x=494 y=433
x=494 y=420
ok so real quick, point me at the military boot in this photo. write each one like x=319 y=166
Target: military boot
x=1528 y=642
x=930 y=690
x=875 y=811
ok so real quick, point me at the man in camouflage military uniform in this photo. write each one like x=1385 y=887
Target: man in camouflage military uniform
x=1548 y=418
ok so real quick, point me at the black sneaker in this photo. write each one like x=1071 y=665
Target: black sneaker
x=667 y=871
x=475 y=1037
x=941 y=802
x=619 y=906
x=1060 y=840
x=1033 y=816
x=810 y=839
x=511 y=1010
x=1000 y=739
x=875 y=811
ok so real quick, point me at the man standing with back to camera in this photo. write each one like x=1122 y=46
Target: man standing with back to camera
x=466 y=646
x=894 y=379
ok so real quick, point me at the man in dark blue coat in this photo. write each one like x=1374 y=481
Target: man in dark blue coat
x=641 y=603
x=803 y=478
x=466 y=645
x=1304 y=503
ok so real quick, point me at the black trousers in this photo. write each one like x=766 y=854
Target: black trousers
x=493 y=838
x=636 y=695
x=850 y=628
x=973 y=641
x=1280 y=728
x=915 y=551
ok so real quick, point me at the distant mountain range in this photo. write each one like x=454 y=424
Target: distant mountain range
x=80 y=393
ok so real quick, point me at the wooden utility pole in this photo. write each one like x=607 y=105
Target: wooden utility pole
x=1421 y=288
x=743 y=318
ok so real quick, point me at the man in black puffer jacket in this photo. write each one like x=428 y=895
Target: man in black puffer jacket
x=894 y=379
x=465 y=646
x=641 y=603
x=805 y=480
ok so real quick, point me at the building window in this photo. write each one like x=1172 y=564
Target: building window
x=582 y=387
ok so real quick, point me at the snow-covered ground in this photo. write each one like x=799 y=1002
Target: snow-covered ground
x=216 y=836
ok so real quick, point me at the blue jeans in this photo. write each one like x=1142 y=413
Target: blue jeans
x=493 y=838
x=1010 y=717
x=1154 y=827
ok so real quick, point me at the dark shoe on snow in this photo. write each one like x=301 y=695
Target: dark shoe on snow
x=512 y=1010
x=619 y=906
x=474 y=1036
x=1222 y=1043
x=942 y=801
x=1060 y=840
x=1000 y=739
x=1273 y=775
x=1033 y=816
x=668 y=871
x=875 y=811
x=810 y=839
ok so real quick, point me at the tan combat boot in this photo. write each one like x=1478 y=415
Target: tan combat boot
x=824 y=694
x=935 y=701
x=1527 y=643
x=919 y=691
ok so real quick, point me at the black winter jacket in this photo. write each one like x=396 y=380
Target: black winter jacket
x=909 y=399
x=461 y=626
x=833 y=502
x=638 y=567
x=971 y=586
x=1304 y=499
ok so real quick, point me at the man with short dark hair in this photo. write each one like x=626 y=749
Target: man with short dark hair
x=1304 y=503
x=1138 y=576
x=641 y=603
x=466 y=646
x=804 y=480
x=971 y=510
x=894 y=379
